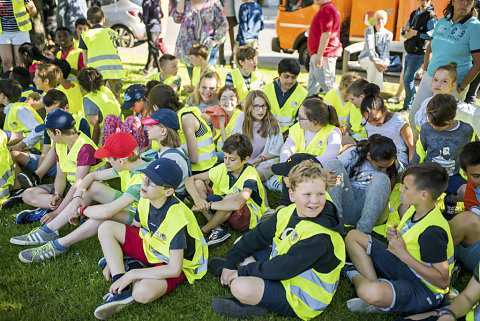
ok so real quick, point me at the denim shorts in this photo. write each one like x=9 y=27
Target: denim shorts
x=14 y=38
x=32 y=165
x=410 y=294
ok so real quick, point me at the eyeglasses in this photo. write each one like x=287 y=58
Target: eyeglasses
x=259 y=107
x=299 y=118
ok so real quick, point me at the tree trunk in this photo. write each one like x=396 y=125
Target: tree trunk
x=37 y=34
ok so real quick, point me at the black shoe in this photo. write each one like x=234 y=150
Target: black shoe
x=14 y=199
x=450 y=208
x=28 y=180
x=231 y=307
x=216 y=265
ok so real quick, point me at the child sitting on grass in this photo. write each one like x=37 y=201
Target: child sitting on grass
x=288 y=278
x=165 y=236
x=338 y=97
x=236 y=195
x=410 y=274
x=199 y=57
x=441 y=140
x=355 y=130
x=6 y=166
x=168 y=72
x=95 y=200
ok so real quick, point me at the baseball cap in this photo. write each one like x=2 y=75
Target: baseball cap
x=164 y=171
x=132 y=94
x=166 y=117
x=283 y=169
x=57 y=119
x=118 y=145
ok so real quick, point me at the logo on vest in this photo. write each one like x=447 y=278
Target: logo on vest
x=236 y=190
x=294 y=236
x=294 y=103
x=320 y=143
x=161 y=236
x=13 y=124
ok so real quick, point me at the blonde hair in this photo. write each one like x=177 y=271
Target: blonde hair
x=306 y=170
x=269 y=124
x=195 y=99
x=382 y=13
x=50 y=72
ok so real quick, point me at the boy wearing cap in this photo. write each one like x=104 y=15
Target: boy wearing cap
x=162 y=128
x=165 y=235
x=75 y=159
x=122 y=153
x=236 y=195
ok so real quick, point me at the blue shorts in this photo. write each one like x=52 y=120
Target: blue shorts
x=454 y=183
x=32 y=165
x=274 y=296
x=410 y=294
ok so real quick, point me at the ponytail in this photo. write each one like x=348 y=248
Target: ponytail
x=372 y=100
x=317 y=110
x=333 y=116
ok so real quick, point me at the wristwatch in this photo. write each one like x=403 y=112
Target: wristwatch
x=445 y=311
x=460 y=88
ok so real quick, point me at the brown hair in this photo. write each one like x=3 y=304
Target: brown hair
x=347 y=79
x=317 y=110
x=195 y=99
x=90 y=79
x=238 y=143
x=66 y=132
x=229 y=88
x=451 y=68
x=162 y=97
x=199 y=50
x=50 y=72
x=132 y=158
x=172 y=139
x=95 y=15
x=357 y=87
x=428 y=176
x=269 y=124
x=442 y=109
x=449 y=10
x=244 y=53
x=306 y=170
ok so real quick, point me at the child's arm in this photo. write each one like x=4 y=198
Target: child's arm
x=189 y=123
x=288 y=149
x=233 y=203
x=94 y=121
x=80 y=174
x=59 y=185
x=407 y=135
x=27 y=118
x=437 y=274
x=15 y=137
x=168 y=271
x=109 y=210
x=200 y=202
x=465 y=301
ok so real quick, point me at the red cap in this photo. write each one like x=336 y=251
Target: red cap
x=118 y=145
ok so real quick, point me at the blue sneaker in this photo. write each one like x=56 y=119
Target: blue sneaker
x=29 y=216
x=128 y=263
x=217 y=237
x=113 y=304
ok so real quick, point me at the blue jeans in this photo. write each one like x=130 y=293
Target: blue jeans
x=412 y=65
x=212 y=60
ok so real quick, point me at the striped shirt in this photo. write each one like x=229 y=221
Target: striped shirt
x=9 y=24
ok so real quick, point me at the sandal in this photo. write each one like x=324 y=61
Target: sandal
x=394 y=100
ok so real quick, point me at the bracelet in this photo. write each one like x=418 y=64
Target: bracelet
x=445 y=311
x=83 y=208
x=56 y=195
x=210 y=205
x=76 y=197
x=263 y=158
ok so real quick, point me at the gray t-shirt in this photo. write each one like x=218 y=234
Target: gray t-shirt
x=443 y=147
x=364 y=172
x=90 y=108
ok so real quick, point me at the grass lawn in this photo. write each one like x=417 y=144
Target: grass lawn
x=72 y=286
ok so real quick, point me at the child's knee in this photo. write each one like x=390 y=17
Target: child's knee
x=200 y=185
x=356 y=237
x=371 y=293
x=106 y=228
x=240 y=290
x=31 y=194
x=143 y=295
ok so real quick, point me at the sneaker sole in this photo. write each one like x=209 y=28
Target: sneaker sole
x=26 y=242
x=25 y=181
x=104 y=311
x=229 y=308
x=218 y=242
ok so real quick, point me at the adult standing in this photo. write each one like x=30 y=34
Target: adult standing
x=455 y=39
x=69 y=11
x=418 y=32
x=471 y=96
x=375 y=55
x=152 y=13
x=229 y=10
x=324 y=46
x=202 y=21
x=15 y=24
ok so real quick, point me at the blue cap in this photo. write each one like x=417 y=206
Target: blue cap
x=132 y=94
x=57 y=119
x=164 y=171
x=166 y=117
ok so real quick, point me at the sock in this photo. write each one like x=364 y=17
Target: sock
x=117 y=276
x=46 y=229
x=59 y=246
x=350 y=272
x=135 y=265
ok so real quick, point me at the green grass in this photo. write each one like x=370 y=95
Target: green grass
x=71 y=286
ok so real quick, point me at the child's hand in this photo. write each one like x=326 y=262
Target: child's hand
x=332 y=180
x=201 y=205
x=188 y=88
x=106 y=273
x=55 y=201
x=75 y=204
x=256 y=162
x=120 y=284
x=48 y=217
x=228 y=276
x=396 y=245
x=391 y=232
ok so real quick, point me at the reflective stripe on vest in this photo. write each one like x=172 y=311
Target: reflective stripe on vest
x=21 y=16
x=433 y=218
x=358 y=130
x=102 y=52
x=157 y=245
x=206 y=147
x=12 y=123
x=228 y=129
x=310 y=292
x=241 y=86
x=221 y=186
x=286 y=114
x=317 y=145
x=68 y=158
